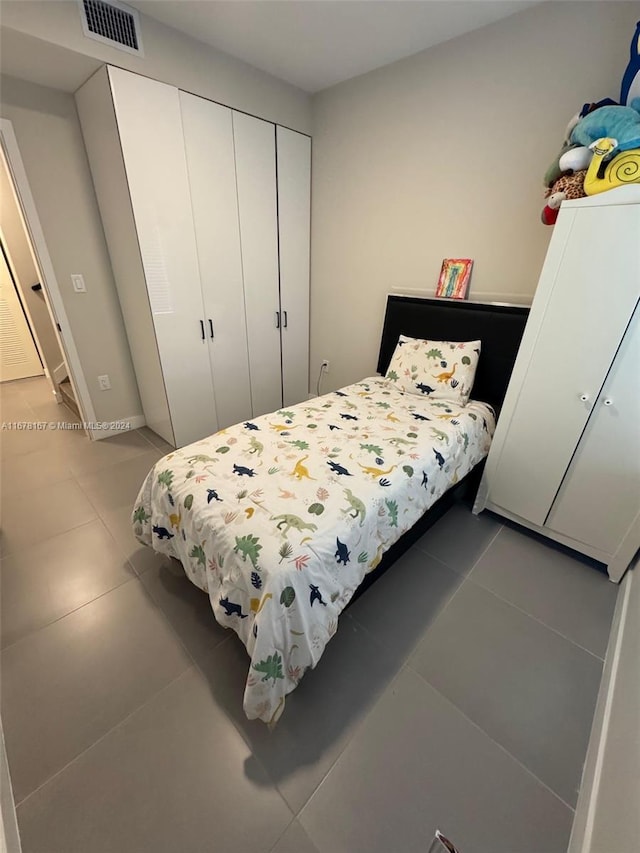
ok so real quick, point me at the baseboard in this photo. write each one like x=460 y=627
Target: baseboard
x=110 y=428
x=605 y=818
x=9 y=835
x=60 y=373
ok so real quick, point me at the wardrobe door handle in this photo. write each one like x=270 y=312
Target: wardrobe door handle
x=584 y=398
x=284 y=315
x=277 y=319
x=202 y=328
x=211 y=327
x=607 y=402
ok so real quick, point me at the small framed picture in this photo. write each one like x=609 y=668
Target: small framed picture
x=454 y=278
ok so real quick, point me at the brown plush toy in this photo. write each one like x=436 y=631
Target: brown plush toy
x=567 y=186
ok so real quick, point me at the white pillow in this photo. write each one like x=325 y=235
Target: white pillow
x=439 y=370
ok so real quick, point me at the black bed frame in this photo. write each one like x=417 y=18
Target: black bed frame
x=500 y=329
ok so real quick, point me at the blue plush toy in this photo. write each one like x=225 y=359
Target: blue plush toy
x=630 y=88
x=621 y=123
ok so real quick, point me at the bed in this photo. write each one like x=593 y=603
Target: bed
x=283 y=519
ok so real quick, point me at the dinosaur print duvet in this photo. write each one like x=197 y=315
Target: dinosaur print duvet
x=280 y=518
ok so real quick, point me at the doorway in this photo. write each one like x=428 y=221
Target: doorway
x=19 y=357
x=33 y=279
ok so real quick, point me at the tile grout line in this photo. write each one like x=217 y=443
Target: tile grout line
x=70 y=613
x=348 y=743
x=493 y=740
x=119 y=724
x=536 y=619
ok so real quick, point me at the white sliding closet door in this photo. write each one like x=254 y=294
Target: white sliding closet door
x=208 y=138
x=255 y=151
x=150 y=128
x=294 y=199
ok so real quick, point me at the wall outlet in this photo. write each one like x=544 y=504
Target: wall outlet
x=325 y=365
x=104 y=382
x=78 y=284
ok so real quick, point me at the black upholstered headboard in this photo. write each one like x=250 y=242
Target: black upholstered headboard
x=499 y=327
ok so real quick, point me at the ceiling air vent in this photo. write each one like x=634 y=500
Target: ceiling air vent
x=112 y=23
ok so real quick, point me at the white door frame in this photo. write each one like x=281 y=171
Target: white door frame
x=25 y=308
x=49 y=281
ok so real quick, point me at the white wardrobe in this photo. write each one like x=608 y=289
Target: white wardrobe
x=565 y=459
x=206 y=215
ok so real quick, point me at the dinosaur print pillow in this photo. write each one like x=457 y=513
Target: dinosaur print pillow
x=442 y=370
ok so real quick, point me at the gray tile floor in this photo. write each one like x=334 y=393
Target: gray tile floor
x=458 y=692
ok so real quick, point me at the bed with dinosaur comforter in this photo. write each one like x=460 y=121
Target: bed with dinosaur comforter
x=279 y=519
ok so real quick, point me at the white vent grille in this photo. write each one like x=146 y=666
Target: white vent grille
x=112 y=23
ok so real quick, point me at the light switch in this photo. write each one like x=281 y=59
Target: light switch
x=78 y=284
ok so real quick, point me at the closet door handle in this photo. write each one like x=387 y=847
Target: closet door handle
x=607 y=402
x=202 y=328
x=277 y=319
x=284 y=315
x=584 y=398
x=211 y=327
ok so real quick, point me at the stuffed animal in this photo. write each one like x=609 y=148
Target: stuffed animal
x=621 y=123
x=566 y=187
x=551 y=209
x=630 y=88
x=605 y=174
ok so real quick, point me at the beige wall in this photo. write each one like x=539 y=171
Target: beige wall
x=169 y=56
x=17 y=246
x=442 y=155
x=48 y=133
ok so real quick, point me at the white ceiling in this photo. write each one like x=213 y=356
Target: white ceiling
x=314 y=44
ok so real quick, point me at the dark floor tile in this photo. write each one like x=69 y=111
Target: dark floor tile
x=45 y=582
x=320 y=714
x=401 y=605
x=295 y=840
x=531 y=690
x=563 y=592
x=186 y=607
x=33 y=516
x=156 y=440
x=30 y=471
x=119 y=484
x=93 y=456
x=69 y=683
x=170 y=779
x=141 y=557
x=459 y=538
x=417 y=765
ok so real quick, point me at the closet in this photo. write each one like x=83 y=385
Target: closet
x=565 y=458
x=206 y=215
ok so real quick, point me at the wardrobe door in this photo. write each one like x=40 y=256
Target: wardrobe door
x=592 y=292
x=254 y=142
x=150 y=129
x=600 y=495
x=208 y=138
x=294 y=199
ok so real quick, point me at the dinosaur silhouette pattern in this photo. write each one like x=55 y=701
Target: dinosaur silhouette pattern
x=300 y=471
x=232 y=609
x=280 y=529
x=342 y=554
x=286 y=521
x=241 y=471
x=162 y=532
x=339 y=469
x=424 y=389
x=316 y=595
